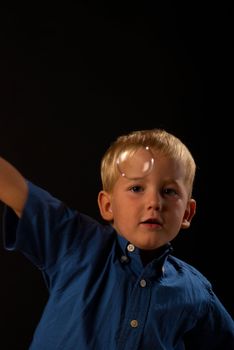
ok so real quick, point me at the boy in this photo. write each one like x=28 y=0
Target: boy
x=116 y=285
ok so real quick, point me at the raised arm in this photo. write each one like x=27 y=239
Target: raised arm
x=13 y=187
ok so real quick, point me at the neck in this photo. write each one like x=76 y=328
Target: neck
x=149 y=255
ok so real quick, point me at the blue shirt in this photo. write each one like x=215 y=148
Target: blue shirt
x=101 y=296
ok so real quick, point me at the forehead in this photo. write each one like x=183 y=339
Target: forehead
x=163 y=166
x=168 y=165
x=140 y=159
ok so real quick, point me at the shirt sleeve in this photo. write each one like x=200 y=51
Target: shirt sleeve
x=214 y=331
x=46 y=231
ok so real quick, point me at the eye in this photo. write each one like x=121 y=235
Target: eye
x=170 y=192
x=136 y=189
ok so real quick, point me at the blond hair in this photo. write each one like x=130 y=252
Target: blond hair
x=158 y=140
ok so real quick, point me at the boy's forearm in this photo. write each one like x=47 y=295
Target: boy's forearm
x=13 y=187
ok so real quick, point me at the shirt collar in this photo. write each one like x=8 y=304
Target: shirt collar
x=131 y=254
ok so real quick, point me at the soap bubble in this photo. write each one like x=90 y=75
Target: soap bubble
x=135 y=164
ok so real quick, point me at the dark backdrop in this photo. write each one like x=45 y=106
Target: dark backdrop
x=75 y=77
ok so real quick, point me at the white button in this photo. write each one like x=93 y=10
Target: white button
x=134 y=323
x=130 y=248
x=142 y=283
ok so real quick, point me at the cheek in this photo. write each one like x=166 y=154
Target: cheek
x=123 y=210
x=118 y=206
x=176 y=212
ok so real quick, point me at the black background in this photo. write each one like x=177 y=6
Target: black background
x=74 y=77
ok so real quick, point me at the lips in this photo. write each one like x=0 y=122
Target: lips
x=152 y=221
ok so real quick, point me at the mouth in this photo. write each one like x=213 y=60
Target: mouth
x=152 y=223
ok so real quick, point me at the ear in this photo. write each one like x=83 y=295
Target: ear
x=189 y=213
x=104 y=203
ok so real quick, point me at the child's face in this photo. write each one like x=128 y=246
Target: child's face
x=150 y=212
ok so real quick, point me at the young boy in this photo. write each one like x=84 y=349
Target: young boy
x=117 y=285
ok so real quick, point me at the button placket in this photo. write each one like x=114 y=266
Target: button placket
x=136 y=315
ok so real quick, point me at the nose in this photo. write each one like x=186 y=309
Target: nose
x=154 y=201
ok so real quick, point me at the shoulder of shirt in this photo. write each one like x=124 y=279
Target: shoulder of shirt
x=84 y=219
x=190 y=271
